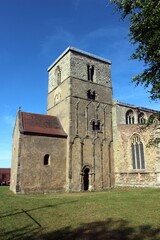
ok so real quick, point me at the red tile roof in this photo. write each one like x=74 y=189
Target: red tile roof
x=5 y=170
x=39 y=124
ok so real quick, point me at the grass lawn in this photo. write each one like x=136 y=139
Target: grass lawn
x=121 y=213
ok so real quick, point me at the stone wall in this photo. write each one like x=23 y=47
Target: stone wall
x=86 y=148
x=16 y=141
x=125 y=173
x=98 y=152
x=35 y=176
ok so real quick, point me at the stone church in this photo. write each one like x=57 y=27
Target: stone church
x=85 y=141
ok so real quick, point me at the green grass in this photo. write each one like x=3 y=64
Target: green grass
x=121 y=213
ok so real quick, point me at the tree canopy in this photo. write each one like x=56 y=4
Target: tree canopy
x=144 y=16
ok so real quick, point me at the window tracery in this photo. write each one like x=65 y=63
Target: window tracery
x=138 y=161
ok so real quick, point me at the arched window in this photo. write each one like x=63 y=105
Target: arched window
x=141 y=118
x=85 y=174
x=154 y=119
x=57 y=98
x=58 y=76
x=91 y=94
x=129 y=117
x=46 y=160
x=90 y=71
x=138 y=160
x=96 y=125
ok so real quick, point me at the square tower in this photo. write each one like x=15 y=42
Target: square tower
x=80 y=95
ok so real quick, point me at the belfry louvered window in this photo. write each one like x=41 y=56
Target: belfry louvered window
x=138 y=160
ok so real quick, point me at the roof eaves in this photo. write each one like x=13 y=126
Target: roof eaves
x=136 y=107
x=81 y=52
x=44 y=134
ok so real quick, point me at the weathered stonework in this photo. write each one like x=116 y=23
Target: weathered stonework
x=122 y=141
x=86 y=141
x=86 y=148
x=28 y=172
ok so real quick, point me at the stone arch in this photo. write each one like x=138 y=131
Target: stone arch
x=130 y=117
x=86 y=178
x=154 y=118
x=87 y=151
x=90 y=110
x=57 y=98
x=135 y=134
x=141 y=118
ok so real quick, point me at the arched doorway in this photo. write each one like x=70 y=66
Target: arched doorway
x=86 y=179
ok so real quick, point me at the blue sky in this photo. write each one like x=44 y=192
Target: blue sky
x=35 y=32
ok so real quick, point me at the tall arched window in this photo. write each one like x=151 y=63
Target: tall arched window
x=138 y=160
x=141 y=118
x=58 y=75
x=90 y=70
x=129 y=117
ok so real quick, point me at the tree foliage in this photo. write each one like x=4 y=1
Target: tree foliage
x=144 y=16
x=153 y=122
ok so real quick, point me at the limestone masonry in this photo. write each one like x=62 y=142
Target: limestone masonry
x=86 y=141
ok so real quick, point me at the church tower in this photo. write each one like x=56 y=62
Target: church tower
x=80 y=95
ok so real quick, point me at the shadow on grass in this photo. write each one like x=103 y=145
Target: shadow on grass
x=22 y=233
x=26 y=231
x=108 y=230
x=19 y=211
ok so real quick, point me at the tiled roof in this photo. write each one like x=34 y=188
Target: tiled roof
x=5 y=170
x=134 y=106
x=39 y=124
